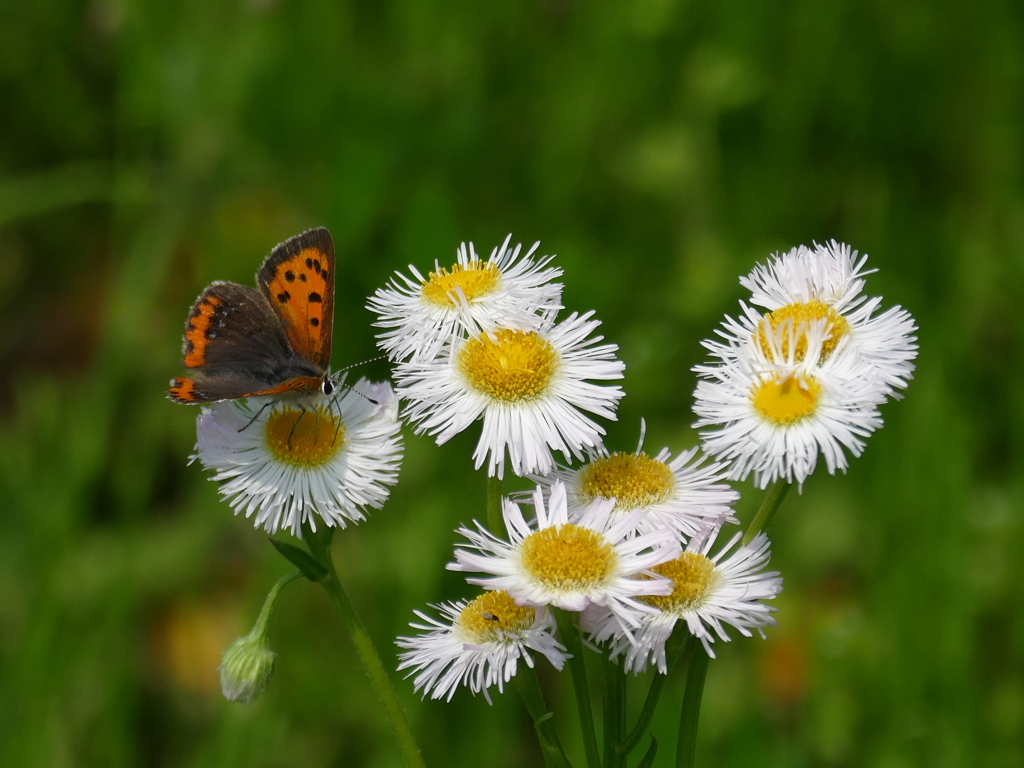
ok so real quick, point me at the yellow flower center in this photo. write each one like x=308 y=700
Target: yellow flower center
x=491 y=615
x=304 y=439
x=799 y=317
x=693 y=577
x=786 y=400
x=632 y=479
x=509 y=365
x=475 y=279
x=568 y=558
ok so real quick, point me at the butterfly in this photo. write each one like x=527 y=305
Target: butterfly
x=240 y=342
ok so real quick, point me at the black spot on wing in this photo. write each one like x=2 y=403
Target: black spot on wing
x=315 y=298
x=314 y=321
x=283 y=297
x=289 y=276
x=298 y=255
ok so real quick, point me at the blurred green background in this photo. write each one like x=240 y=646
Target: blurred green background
x=660 y=148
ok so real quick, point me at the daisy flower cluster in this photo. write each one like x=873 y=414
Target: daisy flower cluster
x=684 y=497
x=803 y=368
x=481 y=340
x=623 y=539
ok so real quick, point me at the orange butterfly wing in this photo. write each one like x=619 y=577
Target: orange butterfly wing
x=298 y=282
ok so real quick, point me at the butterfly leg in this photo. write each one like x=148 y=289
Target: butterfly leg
x=258 y=413
x=337 y=411
x=296 y=424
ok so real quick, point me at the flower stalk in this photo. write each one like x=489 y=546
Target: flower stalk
x=698 y=666
x=689 y=716
x=494 y=519
x=614 y=713
x=569 y=633
x=543 y=720
x=319 y=547
x=679 y=643
x=769 y=506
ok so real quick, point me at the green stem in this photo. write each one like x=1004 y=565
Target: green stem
x=268 y=605
x=771 y=503
x=494 y=518
x=533 y=698
x=676 y=644
x=526 y=676
x=690 y=714
x=569 y=631
x=614 y=713
x=319 y=546
x=698 y=668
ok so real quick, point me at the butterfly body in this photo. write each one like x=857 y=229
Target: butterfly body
x=240 y=342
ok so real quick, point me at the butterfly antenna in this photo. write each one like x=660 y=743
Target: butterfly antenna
x=364 y=362
x=367 y=398
x=340 y=382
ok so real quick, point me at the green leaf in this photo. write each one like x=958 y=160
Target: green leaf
x=301 y=559
x=648 y=759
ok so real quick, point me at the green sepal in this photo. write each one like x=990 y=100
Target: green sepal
x=301 y=559
x=648 y=758
x=246 y=668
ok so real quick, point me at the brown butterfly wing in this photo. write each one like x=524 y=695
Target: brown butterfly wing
x=237 y=347
x=232 y=325
x=230 y=385
x=298 y=282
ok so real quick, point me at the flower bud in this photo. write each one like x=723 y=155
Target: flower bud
x=248 y=663
x=246 y=668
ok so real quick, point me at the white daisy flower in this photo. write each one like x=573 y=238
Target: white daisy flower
x=570 y=565
x=826 y=284
x=774 y=409
x=420 y=314
x=682 y=493
x=285 y=465
x=477 y=644
x=708 y=593
x=528 y=385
